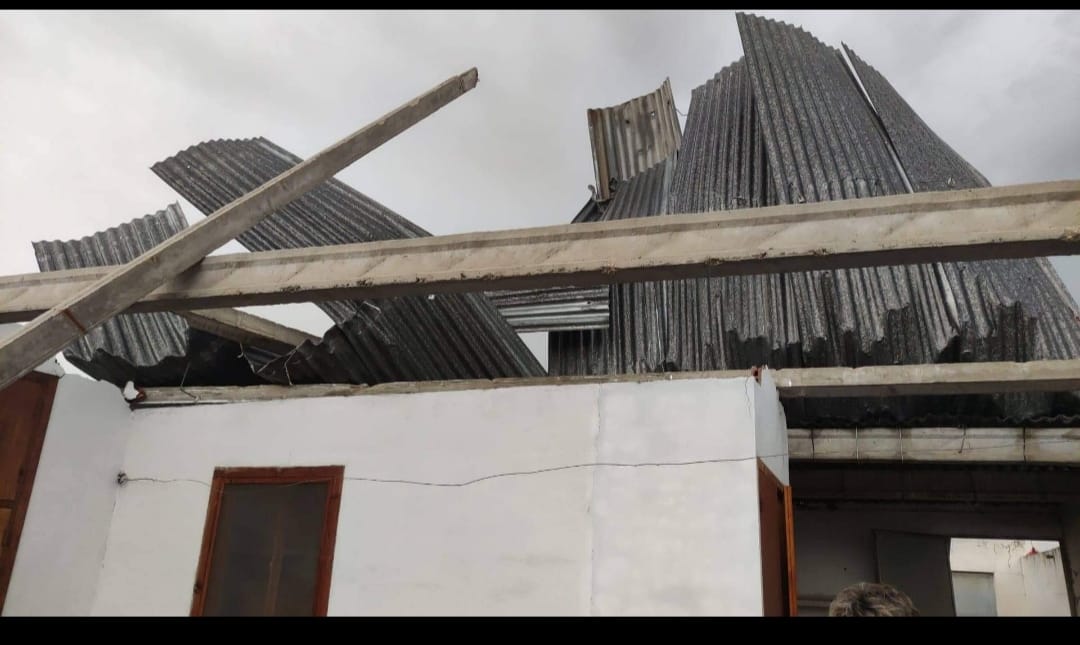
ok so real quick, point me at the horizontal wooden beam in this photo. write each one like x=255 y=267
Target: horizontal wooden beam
x=810 y=382
x=70 y=318
x=247 y=329
x=1006 y=222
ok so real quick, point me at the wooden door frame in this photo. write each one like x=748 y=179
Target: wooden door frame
x=42 y=411
x=334 y=476
x=787 y=546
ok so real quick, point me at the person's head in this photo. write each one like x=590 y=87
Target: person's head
x=872 y=599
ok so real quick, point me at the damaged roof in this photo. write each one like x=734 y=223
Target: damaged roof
x=450 y=336
x=632 y=137
x=791 y=121
x=150 y=349
x=554 y=308
x=788 y=123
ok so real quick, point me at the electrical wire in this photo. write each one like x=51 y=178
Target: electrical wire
x=123 y=479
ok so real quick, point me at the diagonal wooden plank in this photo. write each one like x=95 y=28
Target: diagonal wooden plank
x=124 y=285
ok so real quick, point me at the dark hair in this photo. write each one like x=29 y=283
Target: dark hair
x=872 y=599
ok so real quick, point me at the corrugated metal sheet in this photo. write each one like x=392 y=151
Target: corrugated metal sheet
x=629 y=138
x=154 y=349
x=554 y=309
x=930 y=163
x=788 y=124
x=635 y=340
x=374 y=341
x=562 y=308
x=822 y=142
x=1008 y=309
x=588 y=212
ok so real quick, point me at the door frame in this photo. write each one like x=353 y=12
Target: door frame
x=768 y=483
x=40 y=409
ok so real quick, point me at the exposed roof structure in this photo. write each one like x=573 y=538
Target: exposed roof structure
x=789 y=123
x=628 y=140
x=151 y=349
x=374 y=341
x=792 y=121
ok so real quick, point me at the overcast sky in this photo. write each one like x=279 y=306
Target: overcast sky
x=91 y=100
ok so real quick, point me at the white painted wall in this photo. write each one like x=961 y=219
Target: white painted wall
x=1025 y=583
x=58 y=562
x=772 y=436
x=684 y=539
x=626 y=526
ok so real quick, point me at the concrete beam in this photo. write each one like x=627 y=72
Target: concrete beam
x=71 y=317
x=812 y=382
x=247 y=329
x=1015 y=221
x=953 y=445
x=937 y=379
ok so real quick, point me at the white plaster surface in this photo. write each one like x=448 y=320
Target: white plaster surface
x=58 y=562
x=623 y=525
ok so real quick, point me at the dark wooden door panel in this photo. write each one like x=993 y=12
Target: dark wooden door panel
x=25 y=407
x=5 y=519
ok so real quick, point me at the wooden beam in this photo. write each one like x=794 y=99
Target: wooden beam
x=122 y=286
x=809 y=382
x=1007 y=222
x=247 y=329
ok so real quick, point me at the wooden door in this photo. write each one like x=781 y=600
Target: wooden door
x=777 y=545
x=24 y=414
